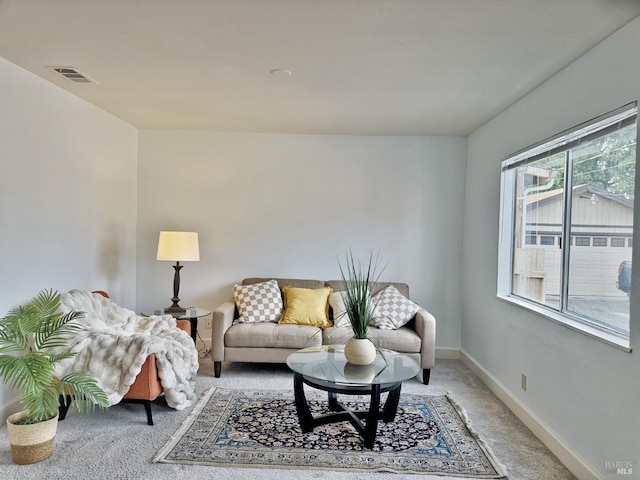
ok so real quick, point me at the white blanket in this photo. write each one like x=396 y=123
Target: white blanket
x=114 y=342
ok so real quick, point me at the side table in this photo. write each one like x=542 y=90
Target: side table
x=192 y=314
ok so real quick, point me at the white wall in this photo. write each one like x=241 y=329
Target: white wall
x=67 y=196
x=588 y=392
x=289 y=205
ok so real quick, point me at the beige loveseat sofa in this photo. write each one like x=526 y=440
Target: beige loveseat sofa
x=271 y=342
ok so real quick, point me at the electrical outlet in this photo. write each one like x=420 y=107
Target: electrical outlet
x=208 y=322
x=523 y=382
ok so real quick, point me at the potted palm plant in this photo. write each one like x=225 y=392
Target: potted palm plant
x=359 y=280
x=25 y=334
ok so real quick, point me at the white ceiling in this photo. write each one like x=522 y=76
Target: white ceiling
x=379 y=67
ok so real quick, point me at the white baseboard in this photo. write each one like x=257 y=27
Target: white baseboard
x=448 y=353
x=576 y=465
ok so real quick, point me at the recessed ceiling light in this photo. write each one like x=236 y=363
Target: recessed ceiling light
x=280 y=72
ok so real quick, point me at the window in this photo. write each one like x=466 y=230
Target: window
x=599 y=241
x=547 y=240
x=580 y=186
x=618 y=242
x=583 y=241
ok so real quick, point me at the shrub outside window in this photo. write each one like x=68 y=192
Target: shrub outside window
x=578 y=185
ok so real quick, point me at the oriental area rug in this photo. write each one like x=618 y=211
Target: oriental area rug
x=260 y=429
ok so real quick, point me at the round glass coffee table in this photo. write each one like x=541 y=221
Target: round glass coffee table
x=327 y=369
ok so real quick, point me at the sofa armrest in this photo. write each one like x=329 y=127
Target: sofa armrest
x=222 y=320
x=426 y=328
x=184 y=325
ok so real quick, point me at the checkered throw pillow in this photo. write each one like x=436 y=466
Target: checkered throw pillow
x=260 y=302
x=392 y=309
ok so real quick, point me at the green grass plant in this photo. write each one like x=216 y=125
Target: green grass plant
x=359 y=279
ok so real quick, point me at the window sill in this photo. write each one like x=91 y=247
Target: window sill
x=612 y=339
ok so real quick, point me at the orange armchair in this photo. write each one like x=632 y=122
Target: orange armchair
x=145 y=388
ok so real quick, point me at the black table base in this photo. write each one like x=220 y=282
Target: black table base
x=369 y=428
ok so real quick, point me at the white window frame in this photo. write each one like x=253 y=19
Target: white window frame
x=507 y=220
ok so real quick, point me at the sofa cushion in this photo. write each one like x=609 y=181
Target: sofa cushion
x=306 y=306
x=392 y=309
x=404 y=339
x=272 y=335
x=403 y=288
x=340 y=318
x=258 y=302
x=282 y=282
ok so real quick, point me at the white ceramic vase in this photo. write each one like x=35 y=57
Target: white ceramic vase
x=360 y=351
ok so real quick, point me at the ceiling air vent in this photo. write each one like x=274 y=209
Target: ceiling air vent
x=72 y=74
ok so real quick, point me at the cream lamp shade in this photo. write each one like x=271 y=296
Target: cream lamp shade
x=178 y=247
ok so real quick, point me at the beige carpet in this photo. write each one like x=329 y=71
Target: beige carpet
x=118 y=444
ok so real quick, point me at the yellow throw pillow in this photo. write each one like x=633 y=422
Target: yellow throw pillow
x=306 y=306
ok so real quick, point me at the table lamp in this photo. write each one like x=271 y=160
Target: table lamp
x=177 y=247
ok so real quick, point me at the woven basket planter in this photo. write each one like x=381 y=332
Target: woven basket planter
x=31 y=443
